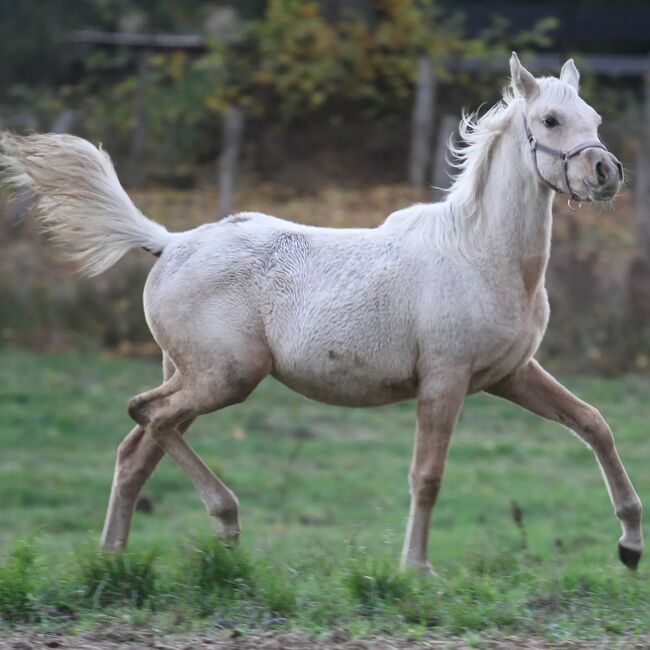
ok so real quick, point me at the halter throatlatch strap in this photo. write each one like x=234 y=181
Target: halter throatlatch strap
x=563 y=157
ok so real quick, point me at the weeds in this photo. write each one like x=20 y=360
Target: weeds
x=117 y=578
x=277 y=591
x=215 y=566
x=374 y=582
x=215 y=574
x=17 y=583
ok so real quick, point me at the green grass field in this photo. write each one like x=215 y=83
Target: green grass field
x=324 y=497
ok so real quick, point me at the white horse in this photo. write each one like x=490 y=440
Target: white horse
x=440 y=301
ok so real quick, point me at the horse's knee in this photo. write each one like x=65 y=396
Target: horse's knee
x=425 y=487
x=593 y=428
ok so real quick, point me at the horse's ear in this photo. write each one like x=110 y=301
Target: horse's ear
x=523 y=83
x=570 y=75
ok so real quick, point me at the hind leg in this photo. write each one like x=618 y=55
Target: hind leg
x=162 y=411
x=137 y=457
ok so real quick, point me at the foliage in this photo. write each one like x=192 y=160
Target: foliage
x=293 y=67
x=17 y=582
x=309 y=65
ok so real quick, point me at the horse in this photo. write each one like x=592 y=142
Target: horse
x=440 y=301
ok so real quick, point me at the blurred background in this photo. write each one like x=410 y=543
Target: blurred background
x=330 y=112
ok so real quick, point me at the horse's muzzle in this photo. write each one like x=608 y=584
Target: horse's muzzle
x=607 y=175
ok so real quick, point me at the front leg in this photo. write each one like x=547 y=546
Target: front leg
x=534 y=389
x=439 y=405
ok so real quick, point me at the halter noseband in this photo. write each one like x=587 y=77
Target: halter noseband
x=563 y=157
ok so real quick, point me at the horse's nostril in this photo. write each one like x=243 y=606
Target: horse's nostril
x=601 y=173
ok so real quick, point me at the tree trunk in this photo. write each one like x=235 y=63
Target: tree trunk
x=422 y=122
x=233 y=131
x=65 y=122
x=136 y=155
x=642 y=180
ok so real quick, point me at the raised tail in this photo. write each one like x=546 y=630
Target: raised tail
x=78 y=198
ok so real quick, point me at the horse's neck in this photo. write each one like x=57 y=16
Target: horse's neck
x=515 y=207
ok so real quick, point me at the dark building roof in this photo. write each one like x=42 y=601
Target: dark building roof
x=621 y=27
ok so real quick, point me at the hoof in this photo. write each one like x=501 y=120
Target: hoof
x=629 y=557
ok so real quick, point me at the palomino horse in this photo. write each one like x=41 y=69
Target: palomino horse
x=440 y=301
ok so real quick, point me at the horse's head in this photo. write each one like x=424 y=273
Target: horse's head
x=562 y=133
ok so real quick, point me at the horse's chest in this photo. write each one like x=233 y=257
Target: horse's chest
x=510 y=342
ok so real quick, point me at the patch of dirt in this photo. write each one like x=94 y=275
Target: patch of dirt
x=114 y=637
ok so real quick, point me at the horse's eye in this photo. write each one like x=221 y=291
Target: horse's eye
x=550 y=122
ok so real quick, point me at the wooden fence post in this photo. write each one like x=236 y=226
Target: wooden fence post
x=233 y=131
x=422 y=121
x=642 y=176
x=138 y=140
x=65 y=121
x=442 y=170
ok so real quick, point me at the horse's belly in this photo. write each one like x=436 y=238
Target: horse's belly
x=349 y=380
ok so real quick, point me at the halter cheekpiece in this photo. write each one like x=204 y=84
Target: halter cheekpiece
x=563 y=157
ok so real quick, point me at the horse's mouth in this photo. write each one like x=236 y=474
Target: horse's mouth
x=599 y=193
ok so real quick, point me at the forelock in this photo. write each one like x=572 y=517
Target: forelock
x=554 y=90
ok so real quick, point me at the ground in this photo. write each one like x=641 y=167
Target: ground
x=127 y=637
x=523 y=537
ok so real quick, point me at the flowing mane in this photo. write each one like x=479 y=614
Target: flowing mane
x=457 y=219
x=471 y=157
x=454 y=225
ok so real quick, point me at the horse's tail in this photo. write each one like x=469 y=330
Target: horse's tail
x=78 y=198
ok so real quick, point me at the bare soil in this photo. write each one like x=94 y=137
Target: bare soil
x=114 y=637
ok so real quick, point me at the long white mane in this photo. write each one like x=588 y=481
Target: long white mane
x=457 y=221
x=471 y=158
x=454 y=224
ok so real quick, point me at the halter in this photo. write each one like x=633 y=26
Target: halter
x=563 y=157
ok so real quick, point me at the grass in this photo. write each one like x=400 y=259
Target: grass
x=324 y=496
